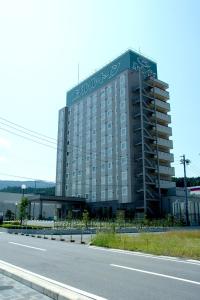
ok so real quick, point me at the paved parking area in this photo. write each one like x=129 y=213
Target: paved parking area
x=14 y=290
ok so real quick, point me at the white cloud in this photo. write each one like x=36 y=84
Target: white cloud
x=4 y=143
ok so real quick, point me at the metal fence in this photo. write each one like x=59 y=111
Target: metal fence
x=179 y=211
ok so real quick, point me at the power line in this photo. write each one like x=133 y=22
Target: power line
x=79 y=148
x=28 y=129
x=19 y=135
x=24 y=177
x=37 y=137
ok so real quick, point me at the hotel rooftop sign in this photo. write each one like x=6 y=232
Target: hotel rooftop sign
x=129 y=60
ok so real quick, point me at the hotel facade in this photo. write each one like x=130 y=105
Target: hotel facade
x=114 y=146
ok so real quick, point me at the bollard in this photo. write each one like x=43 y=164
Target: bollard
x=52 y=237
x=82 y=242
x=45 y=237
x=71 y=239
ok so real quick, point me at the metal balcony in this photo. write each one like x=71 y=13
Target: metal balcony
x=167 y=170
x=164 y=130
x=158 y=83
x=165 y=157
x=166 y=184
x=159 y=94
x=162 y=106
x=162 y=118
x=164 y=143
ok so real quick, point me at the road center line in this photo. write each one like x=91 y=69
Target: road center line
x=156 y=274
x=22 y=245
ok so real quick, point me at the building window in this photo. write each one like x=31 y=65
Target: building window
x=110 y=194
x=123 y=146
x=123 y=117
x=123 y=131
x=103 y=180
x=109 y=113
x=109 y=165
x=124 y=175
x=124 y=191
x=124 y=161
x=109 y=179
x=103 y=195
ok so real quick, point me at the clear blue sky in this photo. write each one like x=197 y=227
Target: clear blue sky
x=42 y=42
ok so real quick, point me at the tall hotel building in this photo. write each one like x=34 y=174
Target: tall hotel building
x=114 y=138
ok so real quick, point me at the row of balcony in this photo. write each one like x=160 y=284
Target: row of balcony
x=163 y=130
x=166 y=184
x=165 y=157
x=161 y=118
x=158 y=83
x=169 y=171
x=162 y=106
x=164 y=143
x=159 y=94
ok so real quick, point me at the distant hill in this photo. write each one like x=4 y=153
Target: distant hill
x=29 y=184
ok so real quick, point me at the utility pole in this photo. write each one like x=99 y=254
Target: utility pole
x=185 y=162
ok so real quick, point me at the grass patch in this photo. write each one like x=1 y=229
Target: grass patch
x=177 y=243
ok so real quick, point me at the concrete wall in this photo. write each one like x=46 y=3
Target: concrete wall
x=9 y=200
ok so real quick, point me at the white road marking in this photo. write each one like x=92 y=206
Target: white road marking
x=81 y=292
x=156 y=274
x=22 y=245
x=168 y=258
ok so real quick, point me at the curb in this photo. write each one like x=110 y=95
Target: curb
x=46 y=286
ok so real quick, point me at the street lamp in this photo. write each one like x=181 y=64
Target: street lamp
x=23 y=187
x=16 y=210
x=185 y=162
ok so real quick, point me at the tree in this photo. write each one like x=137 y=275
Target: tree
x=9 y=215
x=23 y=204
x=69 y=217
x=120 y=218
x=85 y=217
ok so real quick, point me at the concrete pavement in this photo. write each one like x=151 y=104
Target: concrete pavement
x=111 y=274
x=11 y=289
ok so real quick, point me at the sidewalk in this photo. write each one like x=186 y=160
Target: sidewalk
x=13 y=290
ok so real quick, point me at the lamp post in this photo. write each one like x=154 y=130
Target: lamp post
x=185 y=162
x=23 y=187
x=16 y=210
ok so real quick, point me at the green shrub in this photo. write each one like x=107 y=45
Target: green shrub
x=17 y=226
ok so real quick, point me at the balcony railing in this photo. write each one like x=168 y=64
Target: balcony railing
x=160 y=94
x=158 y=83
x=162 y=106
x=163 y=130
x=167 y=170
x=166 y=184
x=163 y=143
x=162 y=118
x=163 y=156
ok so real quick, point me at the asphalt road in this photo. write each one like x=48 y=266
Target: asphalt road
x=112 y=274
